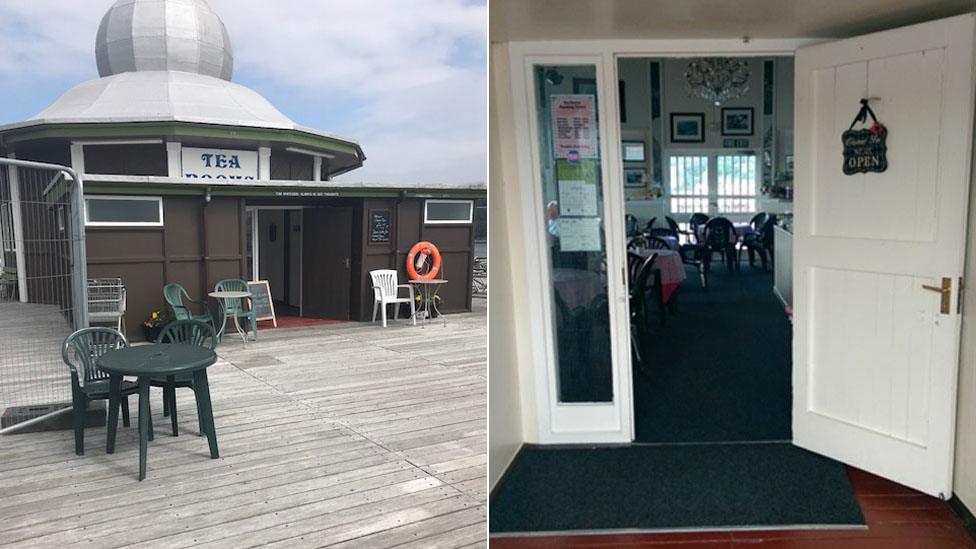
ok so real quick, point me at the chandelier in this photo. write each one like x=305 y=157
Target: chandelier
x=717 y=79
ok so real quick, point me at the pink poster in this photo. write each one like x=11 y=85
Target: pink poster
x=574 y=126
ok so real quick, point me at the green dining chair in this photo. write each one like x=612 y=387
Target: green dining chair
x=235 y=306
x=175 y=295
x=188 y=332
x=89 y=382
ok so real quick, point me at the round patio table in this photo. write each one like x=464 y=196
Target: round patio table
x=428 y=297
x=222 y=297
x=161 y=360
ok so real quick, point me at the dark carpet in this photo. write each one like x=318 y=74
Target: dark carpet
x=672 y=486
x=720 y=369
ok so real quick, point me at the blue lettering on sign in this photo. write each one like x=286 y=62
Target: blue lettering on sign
x=221 y=161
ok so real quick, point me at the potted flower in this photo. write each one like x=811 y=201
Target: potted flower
x=155 y=324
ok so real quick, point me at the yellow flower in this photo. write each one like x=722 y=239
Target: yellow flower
x=155 y=316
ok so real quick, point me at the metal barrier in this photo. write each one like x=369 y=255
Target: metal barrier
x=43 y=287
x=479 y=277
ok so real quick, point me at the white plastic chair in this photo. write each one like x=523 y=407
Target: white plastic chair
x=385 y=290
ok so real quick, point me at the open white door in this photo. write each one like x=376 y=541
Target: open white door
x=875 y=354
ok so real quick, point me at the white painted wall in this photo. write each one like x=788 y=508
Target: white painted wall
x=295 y=258
x=511 y=413
x=964 y=475
x=272 y=254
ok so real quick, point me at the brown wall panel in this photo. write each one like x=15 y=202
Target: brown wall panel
x=144 y=291
x=147 y=259
x=126 y=159
x=124 y=243
x=182 y=218
x=455 y=243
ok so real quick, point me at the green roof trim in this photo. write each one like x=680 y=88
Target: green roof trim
x=283 y=192
x=178 y=129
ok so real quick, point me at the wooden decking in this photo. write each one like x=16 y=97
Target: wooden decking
x=342 y=436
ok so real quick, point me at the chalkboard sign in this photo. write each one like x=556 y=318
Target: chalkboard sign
x=261 y=300
x=865 y=150
x=379 y=226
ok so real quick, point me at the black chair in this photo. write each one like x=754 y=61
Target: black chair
x=634 y=263
x=650 y=226
x=695 y=224
x=632 y=226
x=639 y=286
x=671 y=230
x=761 y=241
x=657 y=243
x=719 y=236
x=638 y=241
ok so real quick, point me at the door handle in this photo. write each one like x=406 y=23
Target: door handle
x=946 y=293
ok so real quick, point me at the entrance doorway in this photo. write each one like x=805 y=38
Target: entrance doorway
x=277 y=238
x=706 y=176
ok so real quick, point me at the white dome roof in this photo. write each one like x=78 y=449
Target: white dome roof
x=159 y=35
x=155 y=96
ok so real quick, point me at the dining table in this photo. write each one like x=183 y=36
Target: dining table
x=223 y=296
x=670 y=266
x=161 y=360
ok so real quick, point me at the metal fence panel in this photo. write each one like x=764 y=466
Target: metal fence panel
x=42 y=286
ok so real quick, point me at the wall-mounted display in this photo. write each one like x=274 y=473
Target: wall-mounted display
x=737 y=121
x=633 y=151
x=635 y=177
x=687 y=127
x=379 y=226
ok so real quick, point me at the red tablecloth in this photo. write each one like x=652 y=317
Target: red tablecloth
x=576 y=287
x=671 y=267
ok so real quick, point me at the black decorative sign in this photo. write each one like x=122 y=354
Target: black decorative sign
x=379 y=226
x=865 y=150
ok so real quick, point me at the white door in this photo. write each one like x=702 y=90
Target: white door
x=875 y=356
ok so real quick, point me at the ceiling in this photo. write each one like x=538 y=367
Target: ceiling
x=512 y=20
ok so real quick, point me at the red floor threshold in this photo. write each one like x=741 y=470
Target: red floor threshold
x=296 y=322
x=897 y=517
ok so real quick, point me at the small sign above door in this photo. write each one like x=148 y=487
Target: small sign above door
x=865 y=150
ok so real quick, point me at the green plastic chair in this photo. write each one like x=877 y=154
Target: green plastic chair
x=189 y=332
x=175 y=295
x=235 y=306
x=88 y=382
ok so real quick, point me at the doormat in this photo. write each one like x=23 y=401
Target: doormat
x=672 y=487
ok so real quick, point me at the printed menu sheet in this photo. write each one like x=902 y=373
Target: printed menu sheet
x=574 y=126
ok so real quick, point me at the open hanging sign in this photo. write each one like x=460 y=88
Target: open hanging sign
x=865 y=150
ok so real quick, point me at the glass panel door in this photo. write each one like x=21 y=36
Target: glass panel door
x=574 y=214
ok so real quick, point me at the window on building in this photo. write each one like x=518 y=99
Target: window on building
x=715 y=184
x=124 y=211
x=448 y=211
x=736 y=183
x=689 y=184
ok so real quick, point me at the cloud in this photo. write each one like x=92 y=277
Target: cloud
x=407 y=79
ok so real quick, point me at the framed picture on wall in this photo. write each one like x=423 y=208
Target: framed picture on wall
x=633 y=151
x=737 y=121
x=687 y=127
x=635 y=177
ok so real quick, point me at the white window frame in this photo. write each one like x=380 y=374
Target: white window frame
x=157 y=199
x=428 y=221
x=713 y=196
x=542 y=421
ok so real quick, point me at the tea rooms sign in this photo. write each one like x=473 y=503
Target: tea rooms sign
x=220 y=164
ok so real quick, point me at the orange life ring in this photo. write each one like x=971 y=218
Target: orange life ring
x=424 y=248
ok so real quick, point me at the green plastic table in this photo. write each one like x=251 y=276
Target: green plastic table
x=161 y=360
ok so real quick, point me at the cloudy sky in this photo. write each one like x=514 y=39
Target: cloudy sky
x=405 y=78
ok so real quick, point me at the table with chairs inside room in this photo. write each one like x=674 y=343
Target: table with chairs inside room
x=703 y=238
